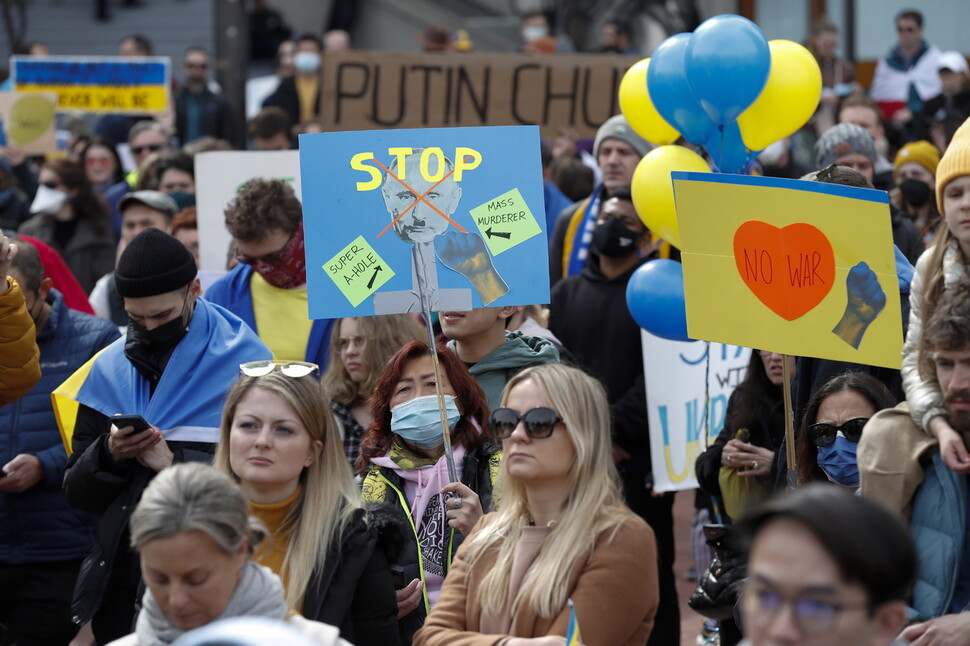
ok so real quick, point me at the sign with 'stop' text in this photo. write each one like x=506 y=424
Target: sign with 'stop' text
x=791 y=266
x=423 y=220
x=97 y=83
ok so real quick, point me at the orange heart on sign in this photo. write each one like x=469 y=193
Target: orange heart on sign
x=790 y=269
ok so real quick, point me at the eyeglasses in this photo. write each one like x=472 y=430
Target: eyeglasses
x=825 y=434
x=813 y=617
x=539 y=422
x=288 y=368
x=268 y=259
x=152 y=148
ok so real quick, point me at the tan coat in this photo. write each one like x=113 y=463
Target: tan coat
x=615 y=594
x=889 y=456
x=19 y=356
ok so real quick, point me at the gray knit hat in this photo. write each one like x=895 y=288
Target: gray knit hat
x=154 y=263
x=841 y=140
x=618 y=128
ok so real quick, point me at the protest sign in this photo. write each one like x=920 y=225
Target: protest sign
x=447 y=214
x=28 y=121
x=372 y=90
x=676 y=373
x=796 y=267
x=218 y=177
x=97 y=83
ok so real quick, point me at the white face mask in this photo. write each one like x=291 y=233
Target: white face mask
x=48 y=200
x=531 y=33
x=306 y=62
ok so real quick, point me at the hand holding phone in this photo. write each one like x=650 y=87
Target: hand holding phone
x=137 y=422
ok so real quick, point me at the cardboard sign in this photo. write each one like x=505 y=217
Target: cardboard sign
x=373 y=90
x=218 y=177
x=28 y=121
x=675 y=377
x=796 y=267
x=445 y=214
x=97 y=83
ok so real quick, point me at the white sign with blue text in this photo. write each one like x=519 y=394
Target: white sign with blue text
x=676 y=374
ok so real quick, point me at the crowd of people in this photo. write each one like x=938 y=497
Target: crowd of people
x=171 y=457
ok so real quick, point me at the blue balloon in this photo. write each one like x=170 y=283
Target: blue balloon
x=727 y=150
x=670 y=93
x=655 y=297
x=727 y=63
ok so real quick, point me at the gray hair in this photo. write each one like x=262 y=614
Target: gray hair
x=195 y=497
x=148 y=124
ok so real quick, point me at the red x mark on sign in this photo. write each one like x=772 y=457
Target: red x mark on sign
x=418 y=198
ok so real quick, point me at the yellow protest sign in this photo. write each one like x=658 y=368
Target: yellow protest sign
x=358 y=271
x=797 y=267
x=28 y=120
x=505 y=221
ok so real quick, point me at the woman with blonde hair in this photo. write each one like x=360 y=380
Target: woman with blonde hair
x=562 y=533
x=193 y=530
x=359 y=349
x=279 y=441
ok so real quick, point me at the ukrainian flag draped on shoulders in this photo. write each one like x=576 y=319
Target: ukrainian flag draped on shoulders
x=188 y=400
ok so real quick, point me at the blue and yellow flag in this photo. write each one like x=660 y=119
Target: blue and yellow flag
x=187 y=402
x=573 y=637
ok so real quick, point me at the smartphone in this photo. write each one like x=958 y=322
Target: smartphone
x=137 y=422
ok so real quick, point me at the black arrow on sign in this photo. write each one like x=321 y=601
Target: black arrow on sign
x=501 y=234
x=370 y=283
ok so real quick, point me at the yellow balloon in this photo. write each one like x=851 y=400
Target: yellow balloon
x=637 y=107
x=653 y=192
x=789 y=99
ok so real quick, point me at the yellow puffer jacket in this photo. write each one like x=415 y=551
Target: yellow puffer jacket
x=19 y=356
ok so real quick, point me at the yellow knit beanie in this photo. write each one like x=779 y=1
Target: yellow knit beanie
x=955 y=162
x=921 y=152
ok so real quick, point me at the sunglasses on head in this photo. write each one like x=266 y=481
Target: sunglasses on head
x=288 y=368
x=825 y=434
x=152 y=148
x=539 y=422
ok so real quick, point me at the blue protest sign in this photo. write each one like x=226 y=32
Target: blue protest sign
x=451 y=215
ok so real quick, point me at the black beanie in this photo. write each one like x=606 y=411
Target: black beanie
x=154 y=263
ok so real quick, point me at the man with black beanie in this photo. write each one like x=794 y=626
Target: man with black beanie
x=173 y=369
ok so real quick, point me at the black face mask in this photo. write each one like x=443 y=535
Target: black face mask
x=614 y=239
x=164 y=337
x=915 y=192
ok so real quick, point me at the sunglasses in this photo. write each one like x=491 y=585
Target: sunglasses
x=539 y=422
x=288 y=368
x=152 y=148
x=269 y=259
x=825 y=434
x=51 y=184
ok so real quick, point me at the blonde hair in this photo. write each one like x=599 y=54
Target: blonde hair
x=594 y=506
x=328 y=496
x=383 y=336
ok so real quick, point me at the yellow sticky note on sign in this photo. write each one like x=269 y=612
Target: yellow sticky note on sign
x=505 y=221
x=797 y=267
x=358 y=271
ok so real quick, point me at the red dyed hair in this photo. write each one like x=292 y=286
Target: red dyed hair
x=471 y=400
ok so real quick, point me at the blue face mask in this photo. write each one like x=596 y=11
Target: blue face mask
x=838 y=461
x=419 y=422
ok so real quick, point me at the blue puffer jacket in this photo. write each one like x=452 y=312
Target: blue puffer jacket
x=38 y=525
x=233 y=293
x=938 y=527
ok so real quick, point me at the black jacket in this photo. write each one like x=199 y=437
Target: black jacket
x=589 y=315
x=286 y=97
x=355 y=591
x=218 y=118
x=477 y=469
x=96 y=483
x=767 y=431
